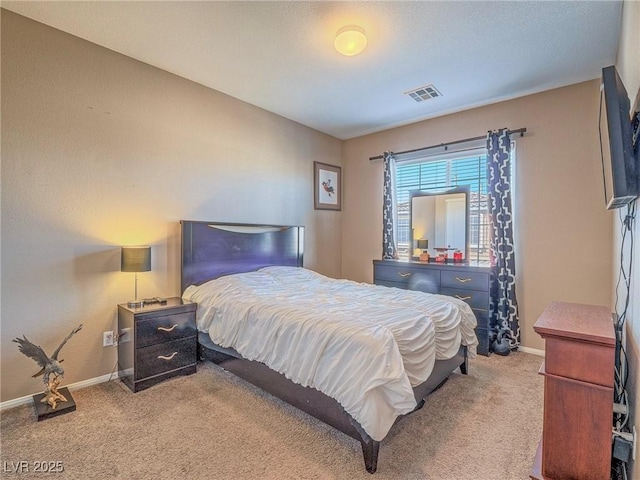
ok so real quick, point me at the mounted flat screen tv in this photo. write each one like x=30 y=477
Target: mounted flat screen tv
x=619 y=165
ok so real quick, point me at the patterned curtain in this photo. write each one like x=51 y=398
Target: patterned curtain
x=504 y=306
x=389 y=220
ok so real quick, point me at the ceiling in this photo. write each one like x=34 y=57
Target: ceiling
x=279 y=55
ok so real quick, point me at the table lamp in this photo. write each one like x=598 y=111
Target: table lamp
x=135 y=259
x=423 y=244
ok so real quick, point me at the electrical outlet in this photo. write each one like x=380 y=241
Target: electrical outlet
x=107 y=339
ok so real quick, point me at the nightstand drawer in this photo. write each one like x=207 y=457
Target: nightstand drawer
x=465 y=280
x=165 y=357
x=165 y=328
x=159 y=341
x=475 y=298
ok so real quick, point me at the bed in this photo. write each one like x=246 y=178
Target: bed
x=356 y=356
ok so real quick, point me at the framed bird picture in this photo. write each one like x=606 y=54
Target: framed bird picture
x=327 y=186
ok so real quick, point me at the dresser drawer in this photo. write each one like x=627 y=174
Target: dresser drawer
x=469 y=283
x=384 y=283
x=475 y=298
x=165 y=328
x=465 y=280
x=164 y=357
x=423 y=279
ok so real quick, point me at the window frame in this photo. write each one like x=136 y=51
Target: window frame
x=475 y=152
x=446 y=153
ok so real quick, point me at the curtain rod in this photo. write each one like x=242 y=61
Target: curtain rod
x=521 y=131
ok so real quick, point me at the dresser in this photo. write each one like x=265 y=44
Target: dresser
x=469 y=283
x=156 y=342
x=578 y=375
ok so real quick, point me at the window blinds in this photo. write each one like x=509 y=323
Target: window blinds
x=442 y=172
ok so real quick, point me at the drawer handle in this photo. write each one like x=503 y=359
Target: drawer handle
x=165 y=329
x=463 y=298
x=167 y=357
x=404 y=274
x=463 y=280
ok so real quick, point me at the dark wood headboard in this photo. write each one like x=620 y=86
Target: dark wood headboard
x=211 y=250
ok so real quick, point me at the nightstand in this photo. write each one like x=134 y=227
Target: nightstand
x=156 y=342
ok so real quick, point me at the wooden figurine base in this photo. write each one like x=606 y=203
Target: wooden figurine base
x=44 y=410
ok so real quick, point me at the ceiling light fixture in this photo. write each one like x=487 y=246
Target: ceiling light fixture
x=350 y=40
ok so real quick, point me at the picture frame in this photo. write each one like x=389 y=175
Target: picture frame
x=327 y=186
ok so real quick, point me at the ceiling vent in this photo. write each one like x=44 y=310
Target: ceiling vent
x=423 y=93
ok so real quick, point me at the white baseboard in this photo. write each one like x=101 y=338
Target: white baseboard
x=533 y=351
x=73 y=386
x=105 y=378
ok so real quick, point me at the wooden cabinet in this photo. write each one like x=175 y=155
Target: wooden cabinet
x=465 y=282
x=156 y=342
x=578 y=392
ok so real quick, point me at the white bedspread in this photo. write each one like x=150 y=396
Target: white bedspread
x=363 y=345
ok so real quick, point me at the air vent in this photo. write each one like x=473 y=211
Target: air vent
x=423 y=93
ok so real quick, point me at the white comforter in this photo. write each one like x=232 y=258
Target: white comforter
x=363 y=345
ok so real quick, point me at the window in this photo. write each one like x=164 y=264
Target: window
x=438 y=173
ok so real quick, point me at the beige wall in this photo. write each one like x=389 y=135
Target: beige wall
x=628 y=66
x=100 y=150
x=563 y=233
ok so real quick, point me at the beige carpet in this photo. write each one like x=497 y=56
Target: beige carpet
x=212 y=425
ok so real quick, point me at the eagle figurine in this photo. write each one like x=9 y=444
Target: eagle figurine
x=49 y=365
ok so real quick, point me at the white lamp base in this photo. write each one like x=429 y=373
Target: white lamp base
x=134 y=304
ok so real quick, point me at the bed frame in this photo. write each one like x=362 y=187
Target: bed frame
x=211 y=250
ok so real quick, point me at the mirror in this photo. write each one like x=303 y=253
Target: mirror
x=441 y=219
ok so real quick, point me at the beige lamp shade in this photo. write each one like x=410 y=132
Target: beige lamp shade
x=423 y=243
x=136 y=259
